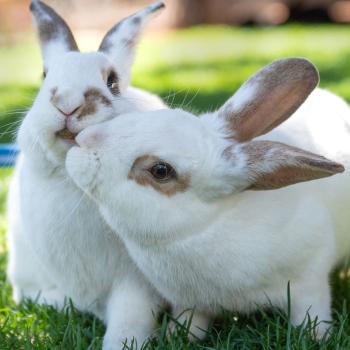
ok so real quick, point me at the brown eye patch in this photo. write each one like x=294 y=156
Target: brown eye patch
x=151 y=171
x=92 y=98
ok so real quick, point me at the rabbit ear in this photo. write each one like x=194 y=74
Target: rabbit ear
x=268 y=98
x=54 y=34
x=119 y=43
x=270 y=165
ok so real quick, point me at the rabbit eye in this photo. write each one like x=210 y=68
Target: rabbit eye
x=162 y=171
x=112 y=82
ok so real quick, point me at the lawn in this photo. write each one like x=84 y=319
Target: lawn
x=197 y=69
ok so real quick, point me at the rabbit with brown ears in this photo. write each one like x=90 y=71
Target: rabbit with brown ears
x=206 y=208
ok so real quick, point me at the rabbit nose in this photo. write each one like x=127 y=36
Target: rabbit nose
x=66 y=113
x=90 y=137
x=67 y=101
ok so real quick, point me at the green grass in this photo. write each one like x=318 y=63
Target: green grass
x=199 y=69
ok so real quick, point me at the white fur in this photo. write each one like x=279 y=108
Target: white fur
x=128 y=32
x=207 y=249
x=59 y=246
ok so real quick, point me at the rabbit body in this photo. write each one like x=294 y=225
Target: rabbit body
x=321 y=125
x=60 y=247
x=59 y=244
x=243 y=252
x=255 y=242
x=206 y=249
x=230 y=265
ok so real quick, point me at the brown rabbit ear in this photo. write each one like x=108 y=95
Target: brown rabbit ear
x=268 y=98
x=120 y=41
x=271 y=165
x=54 y=34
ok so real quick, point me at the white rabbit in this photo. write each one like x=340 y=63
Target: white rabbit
x=177 y=190
x=59 y=245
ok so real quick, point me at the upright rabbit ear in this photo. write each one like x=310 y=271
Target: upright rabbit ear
x=267 y=165
x=268 y=98
x=54 y=34
x=120 y=42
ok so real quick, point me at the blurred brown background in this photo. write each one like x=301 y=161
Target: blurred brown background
x=100 y=14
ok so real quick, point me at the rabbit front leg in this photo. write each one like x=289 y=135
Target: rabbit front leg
x=312 y=298
x=130 y=315
x=199 y=322
x=27 y=283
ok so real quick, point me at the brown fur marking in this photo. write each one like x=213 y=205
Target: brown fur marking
x=160 y=6
x=136 y=21
x=128 y=42
x=139 y=173
x=292 y=165
x=54 y=98
x=54 y=27
x=92 y=97
x=280 y=89
x=107 y=43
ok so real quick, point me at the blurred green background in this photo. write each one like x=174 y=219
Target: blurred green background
x=197 y=68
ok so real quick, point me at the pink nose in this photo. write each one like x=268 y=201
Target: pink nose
x=67 y=101
x=90 y=137
x=66 y=113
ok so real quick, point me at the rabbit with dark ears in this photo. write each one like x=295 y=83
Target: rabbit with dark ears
x=59 y=245
x=81 y=89
x=177 y=188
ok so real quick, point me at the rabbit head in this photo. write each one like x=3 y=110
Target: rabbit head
x=171 y=172
x=79 y=89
